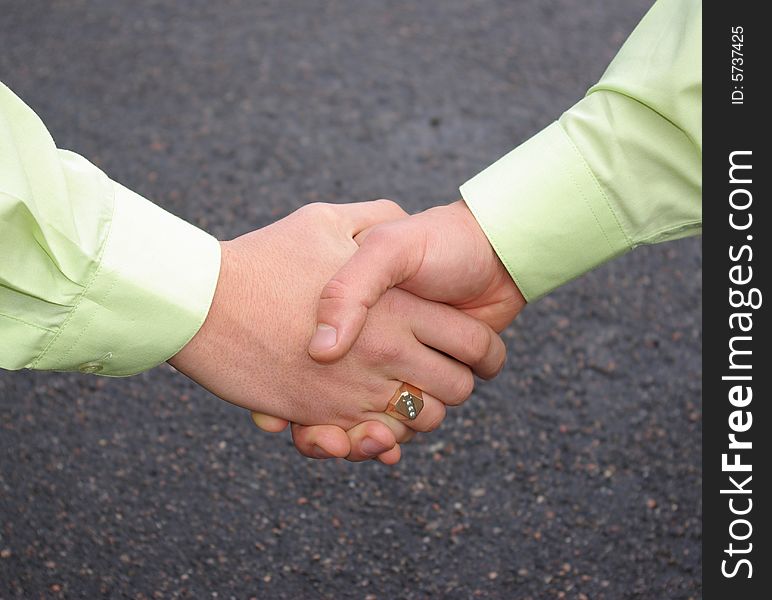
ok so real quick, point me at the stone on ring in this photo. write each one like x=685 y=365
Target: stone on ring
x=406 y=404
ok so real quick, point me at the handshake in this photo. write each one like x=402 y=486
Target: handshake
x=320 y=318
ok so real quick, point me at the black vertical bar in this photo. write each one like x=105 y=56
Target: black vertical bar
x=736 y=112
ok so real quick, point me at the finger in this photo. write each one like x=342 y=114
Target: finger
x=430 y=370
x=383 y=429
x=321 y=441
x=442 y=378
x=402 y=433
x=459 y=335
x=392 y=457
x=359 y=216
x=431 y=415
x=269 y=423
x=385 y=259
x=369 y=440
x=327 y=441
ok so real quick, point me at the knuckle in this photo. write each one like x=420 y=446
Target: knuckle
x=436 y=419
x=307 y=208
x=391 y=206
x=380 y=350
x=463 y=387
x=320 y=210
x=479 y=343
x=379 y=236
x=406 y=437
x=496 y=360
x=304 y=451
x=302 y=444
x=501 y=360
x=335 y=289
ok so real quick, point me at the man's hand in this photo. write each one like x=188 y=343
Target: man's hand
x=252 y=348
x=440 y=254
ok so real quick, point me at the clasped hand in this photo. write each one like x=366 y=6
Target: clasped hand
x=319 y=317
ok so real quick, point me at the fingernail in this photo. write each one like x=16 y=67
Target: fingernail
x=371 y=447
x=320 y=452
x=324 y=338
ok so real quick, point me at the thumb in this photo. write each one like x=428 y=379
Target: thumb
x=388 y=256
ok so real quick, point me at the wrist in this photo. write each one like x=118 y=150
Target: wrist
x=211 y=331
x=499 y=274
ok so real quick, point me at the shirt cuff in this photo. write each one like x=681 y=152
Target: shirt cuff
x=147 y=299
x=544 y=213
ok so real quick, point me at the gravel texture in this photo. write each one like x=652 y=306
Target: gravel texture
x=576 y=474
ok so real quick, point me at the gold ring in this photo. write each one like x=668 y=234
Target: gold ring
x=406 y=403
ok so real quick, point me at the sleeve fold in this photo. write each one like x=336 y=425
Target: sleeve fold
x=93 y=277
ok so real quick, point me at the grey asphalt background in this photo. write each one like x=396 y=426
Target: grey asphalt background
x=576 y=474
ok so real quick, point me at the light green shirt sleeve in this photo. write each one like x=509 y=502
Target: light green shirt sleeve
x=93 y=277
x=620 y=168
